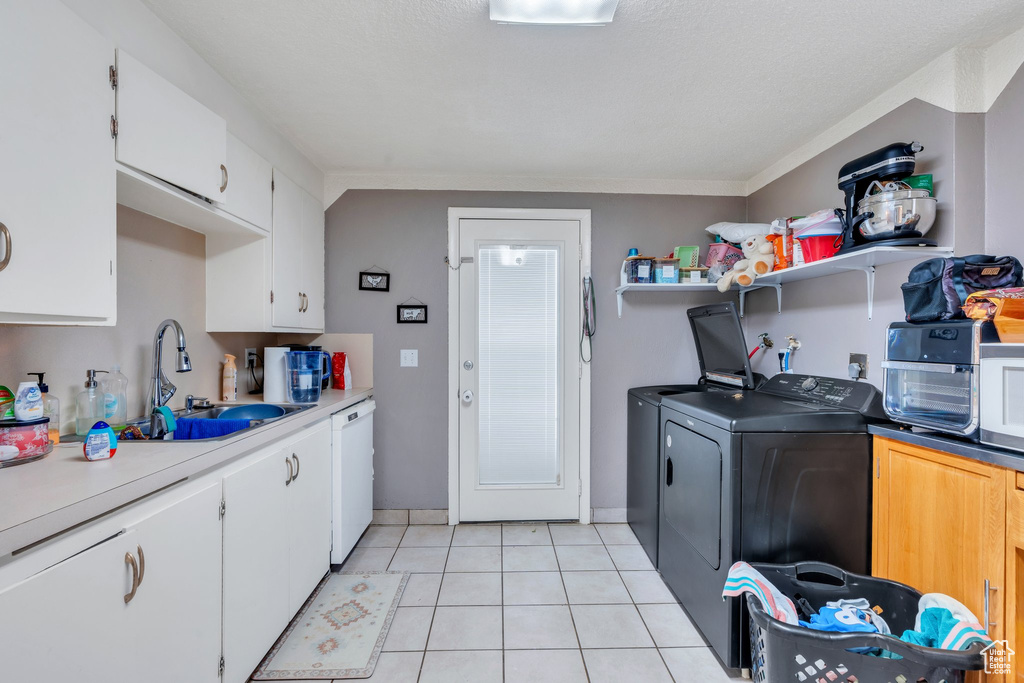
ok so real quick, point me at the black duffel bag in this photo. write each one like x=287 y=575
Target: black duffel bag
x=938 y=287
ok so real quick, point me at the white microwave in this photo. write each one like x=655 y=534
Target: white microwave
x=1002 y=395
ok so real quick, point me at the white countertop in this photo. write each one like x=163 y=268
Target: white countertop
x=43 y=498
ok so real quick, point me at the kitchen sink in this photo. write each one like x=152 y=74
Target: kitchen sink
x=258 y=414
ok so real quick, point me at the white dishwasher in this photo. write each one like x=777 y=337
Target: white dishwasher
x=352 y=476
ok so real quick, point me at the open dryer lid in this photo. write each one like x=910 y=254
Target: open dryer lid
x=721 y=349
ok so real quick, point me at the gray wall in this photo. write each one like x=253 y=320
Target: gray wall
x=829 y=315
x=161 y=273
x=405 y=232
x=1004 y=158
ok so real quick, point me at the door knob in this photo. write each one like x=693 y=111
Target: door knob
x=467 y=396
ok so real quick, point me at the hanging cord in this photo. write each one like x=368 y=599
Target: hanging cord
x=589 y=321
x=448 y=263
x=252 y=373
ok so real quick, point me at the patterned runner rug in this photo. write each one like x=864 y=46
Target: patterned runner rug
x=340 y=630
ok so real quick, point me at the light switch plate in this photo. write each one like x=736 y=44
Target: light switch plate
x=410 y=358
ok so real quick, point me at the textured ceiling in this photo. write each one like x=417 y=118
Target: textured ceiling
x=672 y=89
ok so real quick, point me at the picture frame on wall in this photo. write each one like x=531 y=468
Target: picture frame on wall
x=412 y=313
x=374 y=282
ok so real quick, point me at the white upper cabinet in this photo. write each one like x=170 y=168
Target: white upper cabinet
x=250 y=196
x=287 y=238
x=312 y=262
x=57 y=180
x=167 y=134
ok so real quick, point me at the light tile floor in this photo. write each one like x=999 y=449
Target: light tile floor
x=530 y=603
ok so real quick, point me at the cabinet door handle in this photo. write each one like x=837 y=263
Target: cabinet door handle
x=290 y=477
x=988 y=591
x=223 y=178
x=129 y=559
x=7 y=246
x=300 y=302
x=142 y=564
x=296 y=459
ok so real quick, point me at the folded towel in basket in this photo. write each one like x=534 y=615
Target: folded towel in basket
x=206 y=428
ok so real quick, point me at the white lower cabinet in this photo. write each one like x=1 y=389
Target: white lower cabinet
x=309 y=515
x=79 y=619
x=277 y=543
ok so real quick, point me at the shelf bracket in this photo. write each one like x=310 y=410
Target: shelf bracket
x=868 y=271
x=618 y=300
x=743 y=295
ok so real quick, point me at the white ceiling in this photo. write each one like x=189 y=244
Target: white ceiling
x=712 y=90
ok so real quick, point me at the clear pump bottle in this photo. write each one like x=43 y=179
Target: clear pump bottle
x=115 y=390
x=90 y=406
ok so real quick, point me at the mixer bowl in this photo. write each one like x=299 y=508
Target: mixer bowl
x=903 y=211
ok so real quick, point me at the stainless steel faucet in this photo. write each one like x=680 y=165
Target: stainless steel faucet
x=162 y=387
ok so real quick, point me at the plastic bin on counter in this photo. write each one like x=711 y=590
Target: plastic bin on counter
x=786 y=652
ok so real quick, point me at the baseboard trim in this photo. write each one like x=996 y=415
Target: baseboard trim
x=403 y=517
x=608 y=515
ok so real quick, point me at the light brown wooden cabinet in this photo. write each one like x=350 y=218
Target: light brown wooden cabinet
x=941 y=526
x=1014 y=598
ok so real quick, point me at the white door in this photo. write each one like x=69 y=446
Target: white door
x=312 y=262
x=69 y=622
x=249 y=180
x=57 y=179
x=165 y=133
x=309 y=514
x=178 y=599
x=255 y=561
x=519 y=373
x=287 y=253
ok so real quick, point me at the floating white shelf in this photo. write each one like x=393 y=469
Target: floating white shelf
x=864 y=260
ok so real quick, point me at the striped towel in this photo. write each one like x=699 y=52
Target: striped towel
x=745 y=579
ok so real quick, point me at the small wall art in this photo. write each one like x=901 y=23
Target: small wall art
x=375 y=281
x=412 y=313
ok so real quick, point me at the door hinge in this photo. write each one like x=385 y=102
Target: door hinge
x=581 y=251
x=581 y=370
x=112 y=74
x=220 y=668
x=271 y=296
x=271 y=184
x=111 y=267
x=579 y=488
x=223 y=509
x=113 y=126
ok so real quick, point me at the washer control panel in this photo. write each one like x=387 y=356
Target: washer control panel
x=828 y=391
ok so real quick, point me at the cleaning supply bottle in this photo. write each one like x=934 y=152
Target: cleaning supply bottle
x=6 y=403
x=51 y=408
x=229 y=380
x=100 y=442
x=115 y=398
x=89 y=405
x=28 y=404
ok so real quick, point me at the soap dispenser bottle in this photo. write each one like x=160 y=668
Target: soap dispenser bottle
x=51 y=408
x=90 y=404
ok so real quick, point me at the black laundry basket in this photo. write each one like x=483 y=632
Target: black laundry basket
x=782 y=652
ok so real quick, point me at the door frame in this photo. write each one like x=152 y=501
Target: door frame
x=456 y=214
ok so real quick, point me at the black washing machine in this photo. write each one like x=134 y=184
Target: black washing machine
x=724 y=366
x=781 y=474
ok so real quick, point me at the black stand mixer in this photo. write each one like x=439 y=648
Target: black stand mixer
x=893 y=162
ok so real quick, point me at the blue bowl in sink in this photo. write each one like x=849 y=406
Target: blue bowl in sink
x=256 y=411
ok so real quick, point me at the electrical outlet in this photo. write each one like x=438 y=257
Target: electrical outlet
x=410 y=358
x=250 y=357
x=862 y=360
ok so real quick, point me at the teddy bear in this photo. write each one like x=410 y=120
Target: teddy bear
x=758 y=259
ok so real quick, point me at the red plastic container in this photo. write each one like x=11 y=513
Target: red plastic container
x=819 y=247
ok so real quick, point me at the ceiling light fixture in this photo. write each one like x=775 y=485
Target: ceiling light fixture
x=557 y=12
